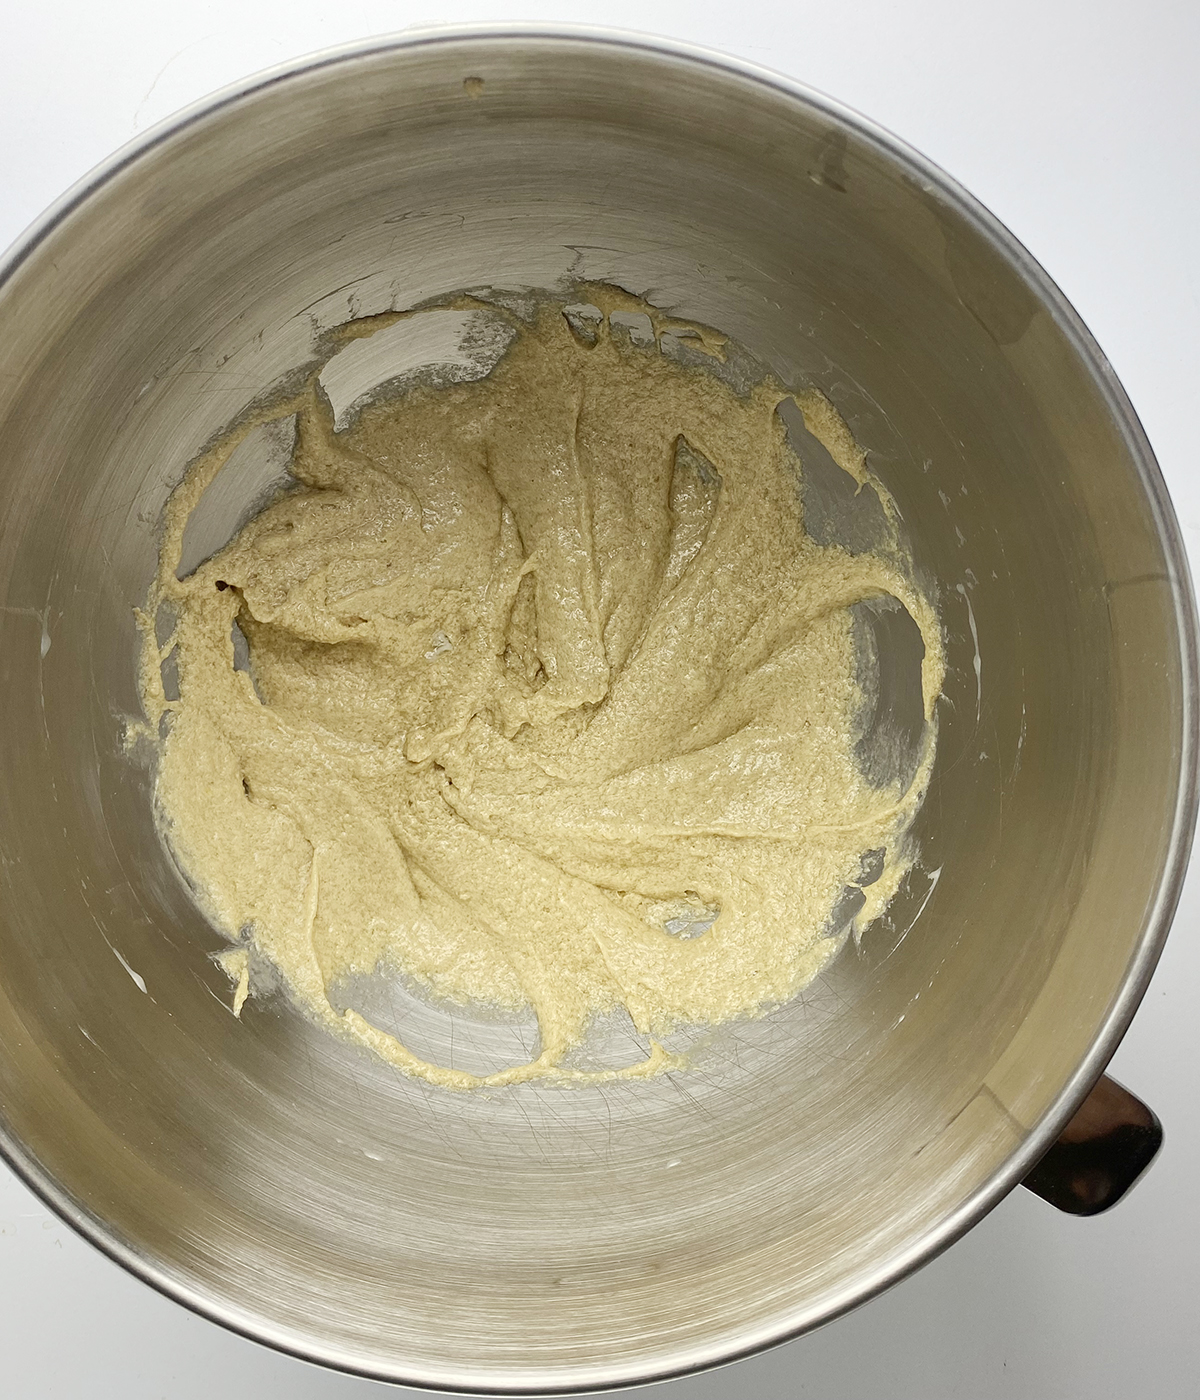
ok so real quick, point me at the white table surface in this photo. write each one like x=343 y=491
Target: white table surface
x=1078 y=123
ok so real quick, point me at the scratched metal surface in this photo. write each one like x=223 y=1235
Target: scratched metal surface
x=538 y=1238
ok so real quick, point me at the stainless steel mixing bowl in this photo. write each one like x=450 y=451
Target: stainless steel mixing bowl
x=539 y=1239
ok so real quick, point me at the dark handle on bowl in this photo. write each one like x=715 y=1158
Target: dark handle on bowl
x=1103 y=1150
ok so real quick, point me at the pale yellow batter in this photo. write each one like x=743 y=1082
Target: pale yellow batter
x=552 y=699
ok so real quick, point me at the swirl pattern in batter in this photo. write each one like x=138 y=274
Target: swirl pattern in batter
x=551 y=700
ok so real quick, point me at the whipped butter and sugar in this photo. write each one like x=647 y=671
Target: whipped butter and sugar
x=551 y=700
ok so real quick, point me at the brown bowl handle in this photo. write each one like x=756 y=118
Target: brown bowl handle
x=1103 y=1150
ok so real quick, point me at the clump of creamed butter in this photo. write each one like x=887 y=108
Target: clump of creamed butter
x=551 y=699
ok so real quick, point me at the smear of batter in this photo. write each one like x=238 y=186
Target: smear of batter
x=551 y=699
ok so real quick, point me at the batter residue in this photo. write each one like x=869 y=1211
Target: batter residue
x=551 y=699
